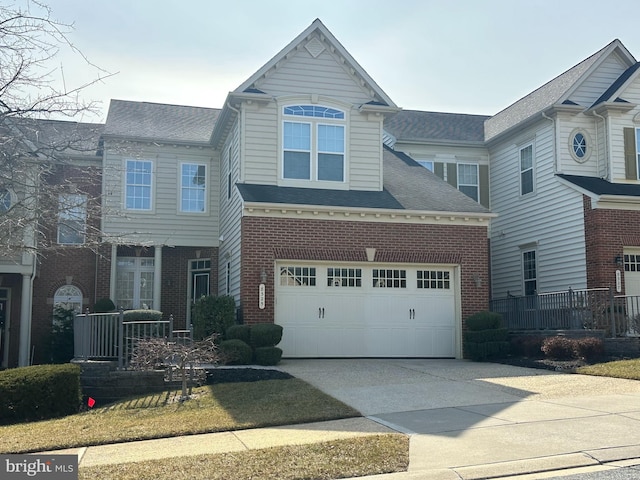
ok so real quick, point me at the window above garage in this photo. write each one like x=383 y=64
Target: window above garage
x=313 y=145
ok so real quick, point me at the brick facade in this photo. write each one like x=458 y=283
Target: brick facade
x=607 y=232
x=265 y=240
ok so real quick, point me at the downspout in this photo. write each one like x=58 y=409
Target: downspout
x=555 y=143
x=606 y=146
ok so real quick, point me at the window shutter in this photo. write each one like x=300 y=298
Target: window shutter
x=438 y=169
x=484 y=185
x=630 y=154
x=452 y=174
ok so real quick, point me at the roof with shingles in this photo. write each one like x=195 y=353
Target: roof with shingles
x=600 y=186
x=541 y=98
x=56 y=137
x=416 y=125
x=158 y=121
x=407 y=186
x=607 y=96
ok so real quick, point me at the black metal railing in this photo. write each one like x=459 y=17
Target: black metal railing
x=588 y=309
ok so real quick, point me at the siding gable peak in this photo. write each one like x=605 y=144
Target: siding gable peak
x=317 y=39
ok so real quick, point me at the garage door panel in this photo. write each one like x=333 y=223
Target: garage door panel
x=368 y=311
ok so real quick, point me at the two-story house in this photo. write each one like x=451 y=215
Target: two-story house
x=289 y=200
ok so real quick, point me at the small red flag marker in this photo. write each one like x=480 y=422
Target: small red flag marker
x=91 y=402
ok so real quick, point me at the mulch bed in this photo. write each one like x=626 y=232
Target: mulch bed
x=230 y=375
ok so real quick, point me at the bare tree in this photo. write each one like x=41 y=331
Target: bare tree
x=46 y=177
x=154 y=353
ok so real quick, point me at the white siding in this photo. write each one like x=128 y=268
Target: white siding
x=551 y=217
x=324 y=75
x=164 y=224
x=598 y=82
x=230 y=215
x=260 y=138
x=617 y=122
x=568 y=124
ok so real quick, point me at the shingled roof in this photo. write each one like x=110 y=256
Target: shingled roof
x=407 y=186
x=600 y=186
x=415 y=125
x=161 y=122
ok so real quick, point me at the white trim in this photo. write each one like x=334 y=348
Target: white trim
x=180 y=211
x=152 y=187
x=532 y=168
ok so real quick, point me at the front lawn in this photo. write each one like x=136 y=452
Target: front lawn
x=629 y=369
x=351 y=457
x=215 y=408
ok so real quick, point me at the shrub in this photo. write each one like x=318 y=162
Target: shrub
x=213 y=315
x=483 y=336
x=104 y=305
x=527 y=346
x=60 y=345
x=558 y=348
x=590 y=348
x=265 y=335
x=484 y=321
x=268 y=355
x=480 y=351
x=236 y=352
x=238 y=332
x=39 y=392
x=142 y=315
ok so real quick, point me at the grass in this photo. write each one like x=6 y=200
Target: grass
x=223 y=407
x=337 y=459
x=629 y=369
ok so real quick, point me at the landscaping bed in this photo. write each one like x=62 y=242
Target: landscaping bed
x=235 y=374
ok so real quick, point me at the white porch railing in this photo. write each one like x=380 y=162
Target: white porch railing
x=107 y=336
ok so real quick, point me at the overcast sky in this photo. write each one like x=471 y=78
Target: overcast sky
x=469 y=56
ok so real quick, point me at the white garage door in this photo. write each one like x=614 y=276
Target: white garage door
x=365 y=310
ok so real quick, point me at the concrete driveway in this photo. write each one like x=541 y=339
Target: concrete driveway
x=482 y=420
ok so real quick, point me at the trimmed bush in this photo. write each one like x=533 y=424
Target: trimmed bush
x=39 y=392
x=484 y=321
x=529 y=346
x=238 y=332
x=265 y=335
x=104 y=305
x=213 y=315
x=558 y=348
x=590 y=348
x=479 y=352
x=268 y=355
x=483 y=336
x=236 y=352
x=142 y=315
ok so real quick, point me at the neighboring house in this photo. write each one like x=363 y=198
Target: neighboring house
x=563 y=167
x=288 y=200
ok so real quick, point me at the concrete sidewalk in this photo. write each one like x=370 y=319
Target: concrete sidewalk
x=466 y=421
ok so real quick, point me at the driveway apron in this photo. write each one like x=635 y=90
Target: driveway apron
x=463 y=416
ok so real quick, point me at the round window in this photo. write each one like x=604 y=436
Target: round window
x=579 y=146
x=5 y=200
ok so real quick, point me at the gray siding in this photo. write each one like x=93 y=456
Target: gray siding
x=551 y=218
x=164 y=224
x=260 y=140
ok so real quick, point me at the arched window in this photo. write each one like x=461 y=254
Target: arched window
x=313 y=143
x=68 y=296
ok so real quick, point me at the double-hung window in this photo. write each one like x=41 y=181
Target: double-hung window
x=72 y=216
x=313 y=143
x=139 y=176
x=468 y=180
x=526 y=170
x=193 y=187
